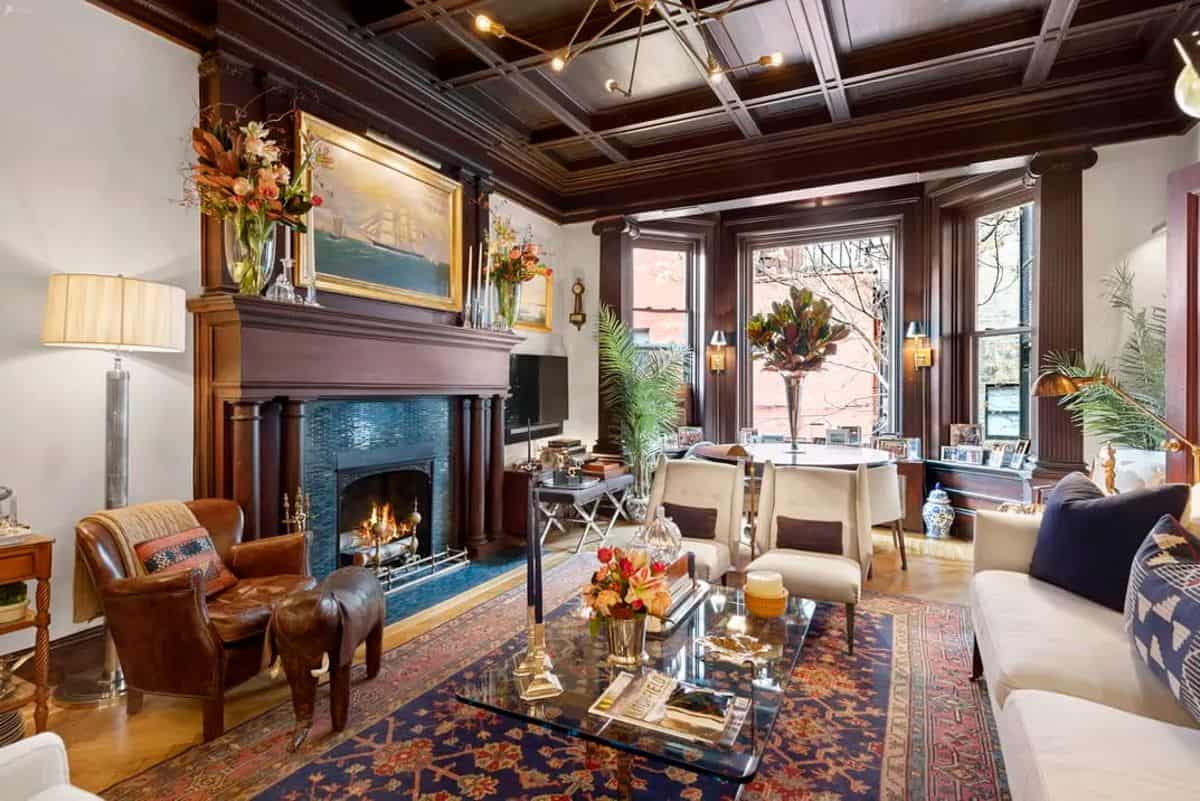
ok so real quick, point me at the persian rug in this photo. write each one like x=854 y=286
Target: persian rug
x=898 y=721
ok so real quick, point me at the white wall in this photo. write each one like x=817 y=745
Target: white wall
x=572 y=251
x=95 y=128
x=1124 y=211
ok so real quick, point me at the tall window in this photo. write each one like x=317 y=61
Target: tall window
x=662 y=292
x=1004 y=263
x=855 y=387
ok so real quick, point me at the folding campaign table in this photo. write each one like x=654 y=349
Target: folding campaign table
x=563 y=500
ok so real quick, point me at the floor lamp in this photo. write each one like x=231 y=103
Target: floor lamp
x=117 y=314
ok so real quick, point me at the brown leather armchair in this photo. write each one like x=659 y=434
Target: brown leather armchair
x=174 y=641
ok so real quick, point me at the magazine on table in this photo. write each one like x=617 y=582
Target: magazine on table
x=664 y=704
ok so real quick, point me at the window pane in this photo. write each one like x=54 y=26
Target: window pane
x=1003 y=268
x=1002 y=389
x=662 y=328
x=853 y=388
x=660 y=279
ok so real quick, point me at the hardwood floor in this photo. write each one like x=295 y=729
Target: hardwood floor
x=107 y=746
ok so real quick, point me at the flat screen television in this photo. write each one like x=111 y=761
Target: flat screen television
x=537 y=397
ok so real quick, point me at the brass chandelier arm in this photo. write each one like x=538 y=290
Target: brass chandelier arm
x=579 y=28
x=628 y=10
x=637 y=48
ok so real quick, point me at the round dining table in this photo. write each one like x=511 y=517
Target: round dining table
x=843 y=457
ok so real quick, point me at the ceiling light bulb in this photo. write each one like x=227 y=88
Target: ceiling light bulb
x=483 y=23
x=715 y=77
x=1187 y=91
x=610 y=86
x=558 y=63
x=773 y=60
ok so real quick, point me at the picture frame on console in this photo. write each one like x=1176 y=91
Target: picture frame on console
x=389 y=227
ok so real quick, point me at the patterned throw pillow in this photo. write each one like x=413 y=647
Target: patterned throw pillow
x=1162 y=609
x=184 y=551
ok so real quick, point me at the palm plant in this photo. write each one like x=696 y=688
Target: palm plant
x=1140 y=371
x=640 y=386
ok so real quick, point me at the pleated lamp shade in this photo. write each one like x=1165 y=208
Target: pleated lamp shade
x=111 y=312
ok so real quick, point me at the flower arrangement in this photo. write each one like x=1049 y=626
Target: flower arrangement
x=627 y=585
x=515 y=260
x=797 y=335
x=239 y=177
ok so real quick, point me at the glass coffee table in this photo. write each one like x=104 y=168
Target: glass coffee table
x=580 y=662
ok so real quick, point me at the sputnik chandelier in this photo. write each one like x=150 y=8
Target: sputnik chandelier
x=559 y=59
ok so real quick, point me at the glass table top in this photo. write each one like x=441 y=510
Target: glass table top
x=581 y=665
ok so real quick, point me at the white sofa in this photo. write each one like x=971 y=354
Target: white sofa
x=1079 y=715
x=35 y=769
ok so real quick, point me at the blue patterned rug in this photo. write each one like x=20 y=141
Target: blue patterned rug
x=899 y=720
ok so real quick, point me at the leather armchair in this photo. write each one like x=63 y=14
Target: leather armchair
x=170 y=638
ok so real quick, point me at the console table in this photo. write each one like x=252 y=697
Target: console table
x=25 y=560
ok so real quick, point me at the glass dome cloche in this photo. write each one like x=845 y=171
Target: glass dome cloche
x=660 y=538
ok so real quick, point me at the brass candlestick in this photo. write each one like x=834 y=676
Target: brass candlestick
x=535 y=673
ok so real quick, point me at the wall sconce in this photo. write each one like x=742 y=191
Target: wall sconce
x=922 y=352
x=577 y=317
x=716 y=352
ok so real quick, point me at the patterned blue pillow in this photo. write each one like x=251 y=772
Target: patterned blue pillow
x=1162 y=609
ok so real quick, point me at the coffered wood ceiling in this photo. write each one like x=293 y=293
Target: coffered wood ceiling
x=868 y=87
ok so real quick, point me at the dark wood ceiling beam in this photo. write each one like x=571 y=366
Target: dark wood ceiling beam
x=682 y=23
x=557 y=33
x=566 y=116
x=1187 y=16
x=1055 y=25
x=813 y=29
x=393 y=23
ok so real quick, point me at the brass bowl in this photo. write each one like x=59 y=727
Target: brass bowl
x=766 y=606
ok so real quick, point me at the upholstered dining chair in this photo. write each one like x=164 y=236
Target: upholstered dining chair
x=814 y=529
x=705 y=500
x=886 y=486
x=172 y=637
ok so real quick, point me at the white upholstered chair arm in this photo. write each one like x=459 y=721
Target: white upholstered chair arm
x=657 y=488
x=33 y=765
x=1005 y=540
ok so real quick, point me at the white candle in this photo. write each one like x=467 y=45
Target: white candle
x=287 y=243
x=484 y=264
x=764 y=583
x=470 y=274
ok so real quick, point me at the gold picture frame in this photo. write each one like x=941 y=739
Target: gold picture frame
x=400 y=244
x=535 y=316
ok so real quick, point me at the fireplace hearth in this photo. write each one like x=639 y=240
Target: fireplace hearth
x=386 y=516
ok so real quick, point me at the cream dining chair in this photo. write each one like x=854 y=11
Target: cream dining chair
x=705 y=500
x=886 y=487
x=814 y=529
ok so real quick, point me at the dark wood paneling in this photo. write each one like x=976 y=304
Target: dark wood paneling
x=1183 y=314
x=616 y=292
x=973 y=487
x=914 y=493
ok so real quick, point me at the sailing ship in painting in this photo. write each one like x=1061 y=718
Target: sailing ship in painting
x=393 y=230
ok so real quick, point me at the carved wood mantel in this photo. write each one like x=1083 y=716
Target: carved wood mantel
x=257 y=363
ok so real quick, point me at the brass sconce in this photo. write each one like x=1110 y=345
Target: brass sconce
x=577 y=317
x=716 y=352
x=922 y=352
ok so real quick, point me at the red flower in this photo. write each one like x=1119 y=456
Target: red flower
x=604 y=555
x=317 y=200
x=626 y=567
x=549 y=271
x=254 y=205
x=638 y=605
x=658 y=568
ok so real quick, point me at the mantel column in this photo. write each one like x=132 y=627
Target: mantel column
x=476 y=503
x=245 y=422
x=496 y=472
x=292 y=467
x=616 y=291
x=1058 y=318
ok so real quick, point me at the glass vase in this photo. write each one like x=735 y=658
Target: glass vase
x=508 y=302
x=792 y=385
x=626 y=641
x=249 y=251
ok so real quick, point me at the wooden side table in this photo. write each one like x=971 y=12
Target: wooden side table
x=23 y=561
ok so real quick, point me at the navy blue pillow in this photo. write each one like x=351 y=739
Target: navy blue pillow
x=1087 y=540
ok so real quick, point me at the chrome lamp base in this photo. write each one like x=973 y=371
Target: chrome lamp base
x=98 y=688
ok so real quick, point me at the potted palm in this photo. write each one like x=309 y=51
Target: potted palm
x=641 y=387
x=793 y=339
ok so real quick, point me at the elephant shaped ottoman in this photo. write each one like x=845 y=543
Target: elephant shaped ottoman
x=316 y=632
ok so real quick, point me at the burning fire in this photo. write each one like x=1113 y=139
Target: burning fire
x=382 y=527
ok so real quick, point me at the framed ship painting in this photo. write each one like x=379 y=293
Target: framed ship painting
x=536 y=312
x=388 y=228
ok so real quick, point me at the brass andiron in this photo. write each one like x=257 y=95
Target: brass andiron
x=297 y=522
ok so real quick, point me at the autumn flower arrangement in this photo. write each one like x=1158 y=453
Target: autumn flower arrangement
x=239 y=177
x=515 y=260
x=627 y=585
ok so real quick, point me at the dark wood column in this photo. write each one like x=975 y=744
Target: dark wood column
x=292 y=446
x=244 y=422
x=496 y=472
x=477 y=500
x=616 y=291
x=1183 y=314
x=1058 y=316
